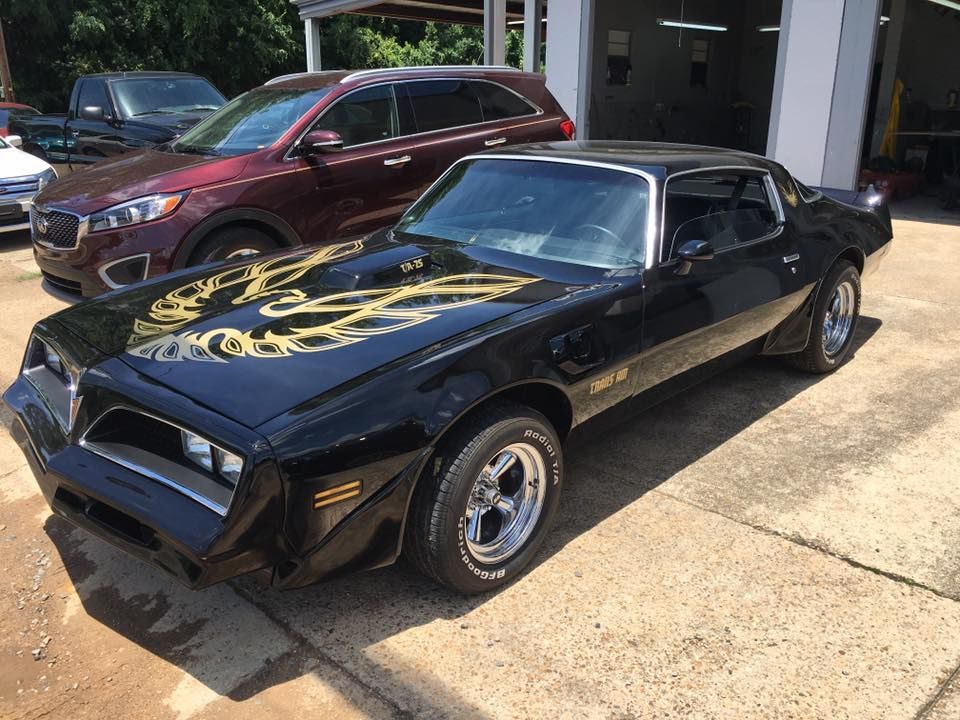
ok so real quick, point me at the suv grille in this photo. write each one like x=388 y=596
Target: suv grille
x=54 y=228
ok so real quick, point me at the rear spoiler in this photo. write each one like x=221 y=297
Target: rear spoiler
x=870 y=200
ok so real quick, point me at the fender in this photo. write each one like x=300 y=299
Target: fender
x=372 y=535
x=281 y=230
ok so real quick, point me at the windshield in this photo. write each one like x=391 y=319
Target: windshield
x=252 y=121
x=3 y=144
x=165 y=96
x=553 y=210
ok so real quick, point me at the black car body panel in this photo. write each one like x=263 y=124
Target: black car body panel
x=336 y=371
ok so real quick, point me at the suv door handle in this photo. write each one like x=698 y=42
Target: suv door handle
x=394 y=162
x=493 y=142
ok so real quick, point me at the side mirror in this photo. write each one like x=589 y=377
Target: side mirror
x=320 y=141
x=14 y=140
x=92 y=113
x=693 y=251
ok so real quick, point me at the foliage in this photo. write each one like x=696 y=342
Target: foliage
x=237 y=44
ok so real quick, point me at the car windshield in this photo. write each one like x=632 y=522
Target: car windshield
x=3 y=144
x=249 y=122
x=165 y=96
x=558 y=211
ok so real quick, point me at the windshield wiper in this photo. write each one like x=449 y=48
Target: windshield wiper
x=191 y=150
x=153 y=112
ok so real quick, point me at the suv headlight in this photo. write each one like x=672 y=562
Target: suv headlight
x=45 y=178
x=135 y=212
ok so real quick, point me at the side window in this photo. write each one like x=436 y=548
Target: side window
x=363 y=116
x=93 y=93
x=498 y=103
x=440 y=104
x=725 y=209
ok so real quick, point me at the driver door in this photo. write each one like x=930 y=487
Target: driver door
x=753 y=282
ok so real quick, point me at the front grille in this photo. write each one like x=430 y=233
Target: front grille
x=62 y=284
x=15 y=187
x=54 y=228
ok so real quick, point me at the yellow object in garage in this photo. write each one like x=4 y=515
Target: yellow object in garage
x=888 y=146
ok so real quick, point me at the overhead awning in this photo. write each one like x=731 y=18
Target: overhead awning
x=461 y=12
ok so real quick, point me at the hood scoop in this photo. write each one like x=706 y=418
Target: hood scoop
x=387 y=267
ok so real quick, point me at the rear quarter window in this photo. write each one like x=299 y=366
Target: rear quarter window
x=499 y=103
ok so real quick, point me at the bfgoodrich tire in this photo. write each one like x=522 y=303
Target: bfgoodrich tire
x=232 y=242
x=483 y=507
x=835 y=316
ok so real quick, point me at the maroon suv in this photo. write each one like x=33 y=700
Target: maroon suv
x=304 y=158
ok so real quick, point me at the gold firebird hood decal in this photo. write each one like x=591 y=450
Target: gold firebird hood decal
x=347 y=317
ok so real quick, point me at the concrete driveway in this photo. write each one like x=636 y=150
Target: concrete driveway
x=768 y=545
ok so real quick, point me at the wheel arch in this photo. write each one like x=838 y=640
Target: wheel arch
x=793 y=334
x=546 y=397
x=274 y=226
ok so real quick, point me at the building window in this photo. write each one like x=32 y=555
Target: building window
x=618 y=57
x=699 y=58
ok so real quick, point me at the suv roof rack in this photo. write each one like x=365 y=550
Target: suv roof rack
x=415 y=68
x=290 y=76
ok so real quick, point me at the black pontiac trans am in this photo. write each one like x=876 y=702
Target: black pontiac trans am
x=320 y=411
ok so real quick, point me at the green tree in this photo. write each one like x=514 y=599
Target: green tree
x=237 y=44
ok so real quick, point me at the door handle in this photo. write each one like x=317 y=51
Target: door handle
x=394 y=162
x=791 y=258
x=75 y=133
x=493 y=142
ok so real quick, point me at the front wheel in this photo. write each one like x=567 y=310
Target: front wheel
x=481 y=511
x=230 y=243
x=835 y=316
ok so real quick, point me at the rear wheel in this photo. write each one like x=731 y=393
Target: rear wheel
x=835 y=316
x=480 y=513
x=229 y=243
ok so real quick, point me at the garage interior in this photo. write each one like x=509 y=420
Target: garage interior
x=917 y=60
x=709 y=82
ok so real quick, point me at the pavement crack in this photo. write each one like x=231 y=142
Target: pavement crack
x=941 y=691
x=818 y=547
x=303 y=644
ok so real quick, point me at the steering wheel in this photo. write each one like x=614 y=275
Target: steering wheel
x=598 y=228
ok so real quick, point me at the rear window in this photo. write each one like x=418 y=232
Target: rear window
x=441 y=104
x=499 y=103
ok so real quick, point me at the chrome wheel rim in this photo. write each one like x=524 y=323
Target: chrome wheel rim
x=242 y=252
x=505 y=503
x=839 y=319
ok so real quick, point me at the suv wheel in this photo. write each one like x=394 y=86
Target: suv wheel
x=480 y=514
x=231 y=242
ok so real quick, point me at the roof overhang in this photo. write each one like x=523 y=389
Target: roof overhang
x=462 y=12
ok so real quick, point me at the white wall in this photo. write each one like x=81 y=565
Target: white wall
x=824 y=66
x=568 y=52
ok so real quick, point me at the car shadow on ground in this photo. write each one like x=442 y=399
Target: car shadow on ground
x=329 y=629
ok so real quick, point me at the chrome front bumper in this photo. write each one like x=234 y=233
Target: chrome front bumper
x=24 y=219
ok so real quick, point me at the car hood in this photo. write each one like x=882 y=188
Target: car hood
x=135 y=175
x=255 y=339
x=16 y=163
